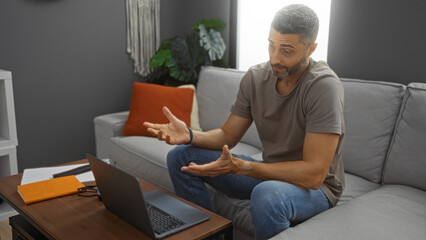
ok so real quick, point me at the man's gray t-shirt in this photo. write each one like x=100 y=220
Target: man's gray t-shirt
x=314 y=105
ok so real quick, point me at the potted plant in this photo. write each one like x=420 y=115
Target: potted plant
x=178 y=61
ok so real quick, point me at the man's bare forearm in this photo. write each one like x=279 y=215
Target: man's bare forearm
x=230 y=133
x=213 y=139
x=299 y=173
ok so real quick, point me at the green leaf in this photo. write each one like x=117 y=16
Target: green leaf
x=165 y=44
x=160 y=58
x=158 y=75
x=196 y=51
x=175 y=73
x=174 y=70
x=180 y=53
x=215 y=24
x=212 y=42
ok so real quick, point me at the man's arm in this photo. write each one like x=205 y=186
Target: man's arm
x=229 y=134
x=175 y=132
x=308 y=173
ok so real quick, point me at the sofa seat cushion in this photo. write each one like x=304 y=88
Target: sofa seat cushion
x=389 y=212
x=239 y=210
x=143 y=156
x=355 y=186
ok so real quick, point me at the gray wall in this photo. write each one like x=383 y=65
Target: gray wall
x=68 y=65
x=378 y=39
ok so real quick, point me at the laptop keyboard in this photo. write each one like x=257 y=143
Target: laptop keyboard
x=161 y=221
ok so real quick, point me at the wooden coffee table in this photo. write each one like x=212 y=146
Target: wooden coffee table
x=74 y=217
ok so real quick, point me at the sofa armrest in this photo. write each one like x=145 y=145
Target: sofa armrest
x=106 y=127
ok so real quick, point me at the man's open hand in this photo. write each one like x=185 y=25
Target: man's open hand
x=175 y=132
x=226 y=164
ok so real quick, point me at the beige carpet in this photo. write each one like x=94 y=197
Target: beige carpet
x=5 y=231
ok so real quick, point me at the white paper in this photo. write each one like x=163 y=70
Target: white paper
x=31 y=175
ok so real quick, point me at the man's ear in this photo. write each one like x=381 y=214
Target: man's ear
x=312 y=48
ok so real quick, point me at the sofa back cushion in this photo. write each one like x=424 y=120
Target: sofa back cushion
x=370 y=112
x=216 y=92
x=406 y=163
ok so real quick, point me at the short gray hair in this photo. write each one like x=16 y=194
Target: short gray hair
x=297 y=19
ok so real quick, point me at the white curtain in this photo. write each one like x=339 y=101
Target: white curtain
x=143 y=32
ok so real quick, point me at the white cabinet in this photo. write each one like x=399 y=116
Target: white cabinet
x=8 y=137
x=7 y=111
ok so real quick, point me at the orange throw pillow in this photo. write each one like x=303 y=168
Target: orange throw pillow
x=147 y=102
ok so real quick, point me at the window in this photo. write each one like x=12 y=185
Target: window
x=254 y=20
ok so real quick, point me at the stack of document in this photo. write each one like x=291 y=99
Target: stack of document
x=39 y=174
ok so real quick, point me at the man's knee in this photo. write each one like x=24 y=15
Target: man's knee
x=273 y=198
x=266 y=195
x=175 y=156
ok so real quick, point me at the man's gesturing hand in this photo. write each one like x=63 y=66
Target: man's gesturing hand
x=226 y=164
x=175 y=132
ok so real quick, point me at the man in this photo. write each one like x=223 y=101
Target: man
x=297 y=106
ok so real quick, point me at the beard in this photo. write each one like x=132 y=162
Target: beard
x=289 y=71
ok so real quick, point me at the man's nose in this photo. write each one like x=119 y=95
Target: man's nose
x=273 y=57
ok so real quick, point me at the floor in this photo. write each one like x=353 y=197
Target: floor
x=5 y=231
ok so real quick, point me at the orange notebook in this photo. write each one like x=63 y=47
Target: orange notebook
x=47 y=189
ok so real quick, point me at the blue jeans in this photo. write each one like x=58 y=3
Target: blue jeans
x=275 y=205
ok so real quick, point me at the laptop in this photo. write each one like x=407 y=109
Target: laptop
x=155 y=213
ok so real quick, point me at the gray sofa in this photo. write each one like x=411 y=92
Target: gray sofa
x=384 y=157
